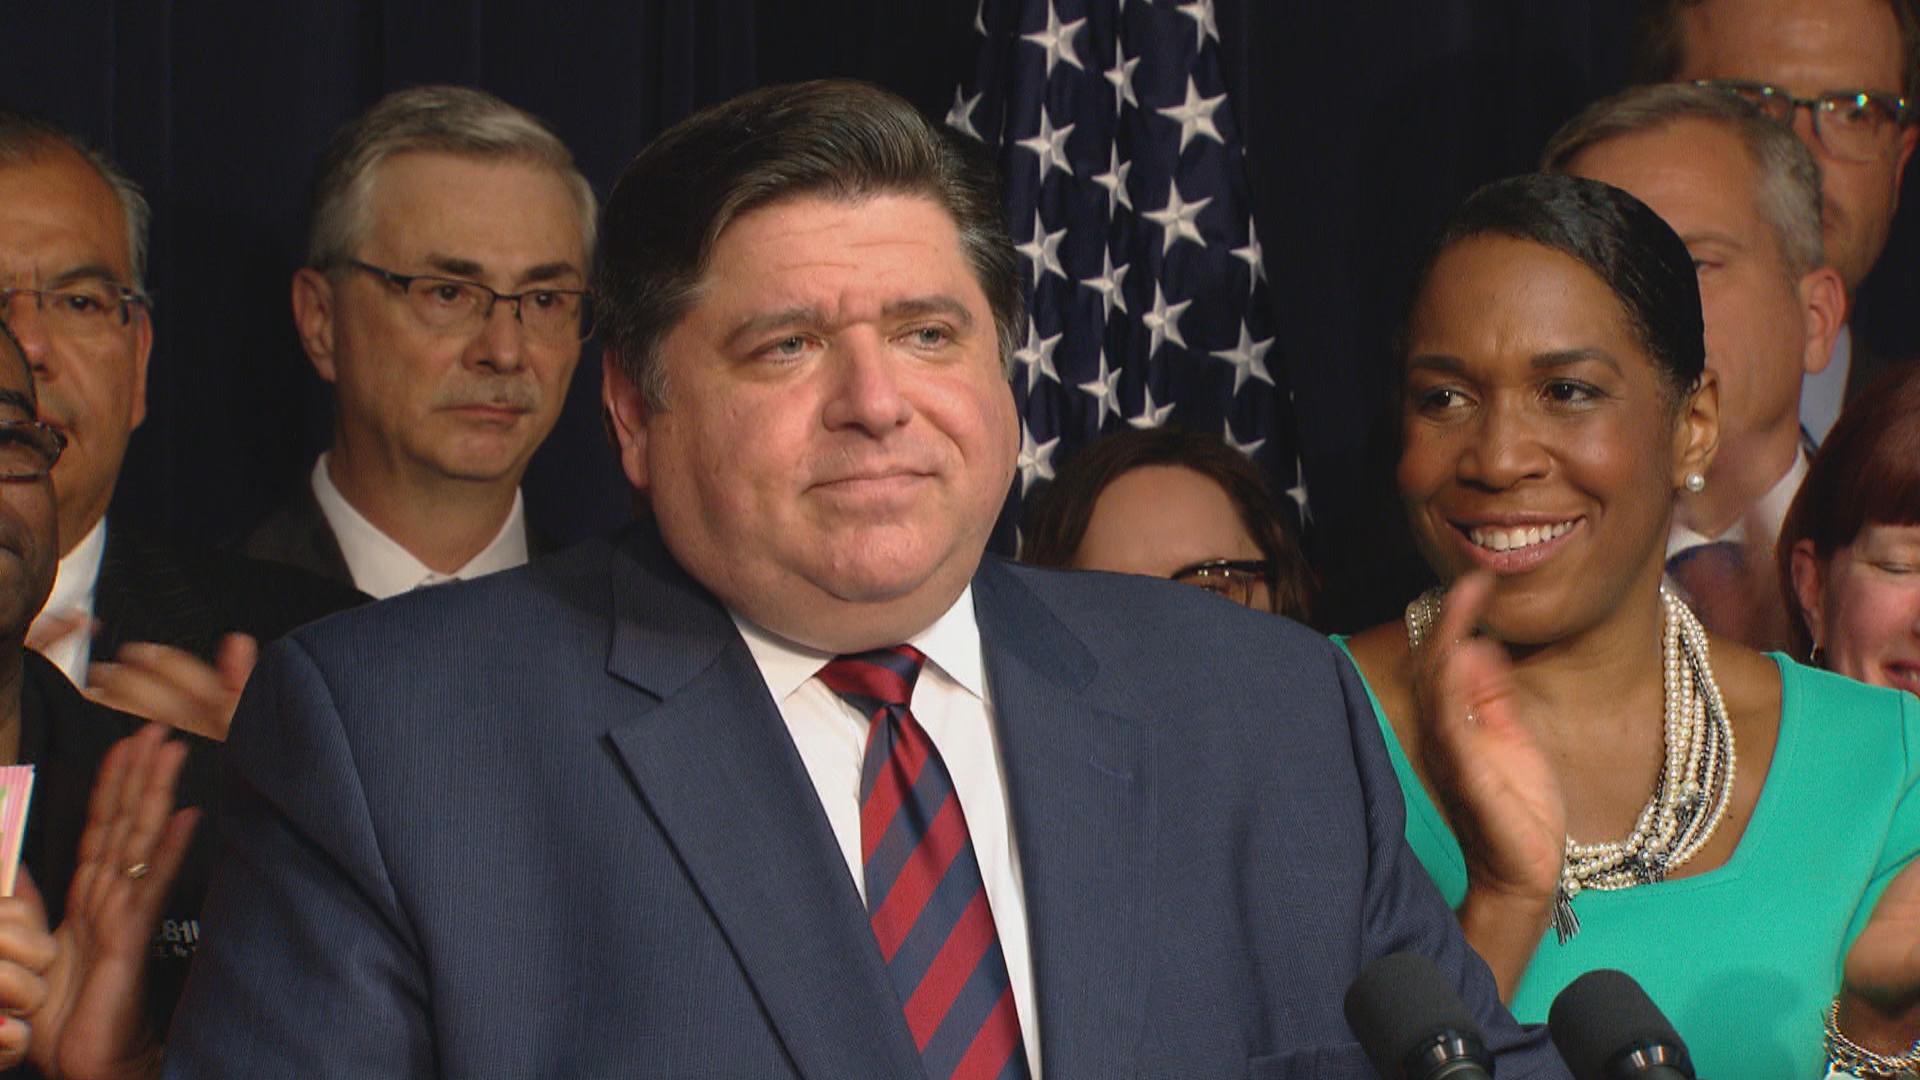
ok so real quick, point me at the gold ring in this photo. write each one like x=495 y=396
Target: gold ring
x=138 y=870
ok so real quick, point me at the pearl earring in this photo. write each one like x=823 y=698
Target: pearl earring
x=1696 y=483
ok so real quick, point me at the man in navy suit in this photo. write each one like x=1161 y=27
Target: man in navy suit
x=640 y=810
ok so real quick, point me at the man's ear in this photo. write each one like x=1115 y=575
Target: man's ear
x=1907 y=136
x=1808 y=586
x=313 y=318
x=1696 y=431
x=142 y=349
x=626 y=413
x=1823 y=306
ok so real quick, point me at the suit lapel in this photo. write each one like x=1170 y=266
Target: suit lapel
x=1082 y=801
x=715 y=765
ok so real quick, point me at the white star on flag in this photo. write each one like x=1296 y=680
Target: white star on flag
x=1201 y=12
x=1249 y=358
x=1042 y=250
x=1163 y=322
x=1150 y=415
x=960 y=117
x=1037 y=356
x=1178 y=218
x=1050 y=144
x=1195 y=115
x=1247 y=448
x=1115 y=180
x=1108 y=285
x=1105 y=389
x=1036 y=458
x=1057 y=40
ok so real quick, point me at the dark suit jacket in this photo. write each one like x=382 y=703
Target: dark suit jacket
x=550 y=824
x=65 y=736
x=298 y=535
x=151 y=590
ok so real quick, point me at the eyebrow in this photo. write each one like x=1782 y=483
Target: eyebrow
x=467 y=268
x=803 y=315
x=1547 y=361
x=85 y=272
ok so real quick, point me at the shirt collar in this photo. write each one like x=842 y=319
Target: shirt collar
x=952 y=644
x=382 y=568
x=79 y=572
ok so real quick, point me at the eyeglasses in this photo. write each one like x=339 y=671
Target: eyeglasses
x=80 y=311
x=1235 y=579
x=459 y=305
x=28 y=449
x=1852 y=125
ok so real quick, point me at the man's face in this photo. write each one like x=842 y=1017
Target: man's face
x=1811 y=47
x=467 y=403
x=28 y=549
x=838 y=435
x=1697 y=176
x=61 y=227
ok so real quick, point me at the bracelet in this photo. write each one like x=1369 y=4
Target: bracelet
x=1848 y=1058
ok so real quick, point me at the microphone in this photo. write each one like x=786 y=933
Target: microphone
x=1412 y=1023
x=1607 y=1028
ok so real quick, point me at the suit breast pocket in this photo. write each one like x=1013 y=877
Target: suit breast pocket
x=1345 y=1061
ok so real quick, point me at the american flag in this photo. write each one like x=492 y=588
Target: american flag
x=1127 y=196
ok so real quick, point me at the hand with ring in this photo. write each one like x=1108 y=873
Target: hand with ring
x=93 y=1021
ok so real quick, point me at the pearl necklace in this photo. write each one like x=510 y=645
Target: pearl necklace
x=1695 y=786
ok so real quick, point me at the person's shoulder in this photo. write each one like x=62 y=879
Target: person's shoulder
x=502 y=608
x=1837 y=702
x=261 y=598
x=1150 y=637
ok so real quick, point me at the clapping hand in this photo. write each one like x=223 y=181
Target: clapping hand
x=92 y=1022
x=1501 y=794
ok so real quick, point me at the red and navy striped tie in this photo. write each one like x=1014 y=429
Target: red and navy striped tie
x=926 y=902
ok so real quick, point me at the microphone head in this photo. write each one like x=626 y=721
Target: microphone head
x=1400 y=1005
x=1603 y=1016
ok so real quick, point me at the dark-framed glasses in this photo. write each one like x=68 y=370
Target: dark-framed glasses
x=84 y=309
x=1852 y=125
x=1239 y=580
x=460 y=305
x=28 y=449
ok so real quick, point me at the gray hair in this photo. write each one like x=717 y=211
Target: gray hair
x=1788 y=189
x=437 y=119
x=833 y=138
x=25 y=139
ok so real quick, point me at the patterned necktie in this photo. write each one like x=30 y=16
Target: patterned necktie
x=926 y=902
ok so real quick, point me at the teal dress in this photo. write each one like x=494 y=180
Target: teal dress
x=1744 y=958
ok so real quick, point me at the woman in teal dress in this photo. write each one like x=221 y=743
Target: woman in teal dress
x=1591 y=779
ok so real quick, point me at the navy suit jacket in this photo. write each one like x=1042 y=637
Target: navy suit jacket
x=550 y=824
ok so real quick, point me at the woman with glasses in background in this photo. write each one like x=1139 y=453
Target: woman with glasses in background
x=1174 y=504
x=1591 y=779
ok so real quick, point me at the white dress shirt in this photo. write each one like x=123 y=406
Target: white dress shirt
x=382 y=568
x=1770 y=511
x=74 y=584
x=953 y=705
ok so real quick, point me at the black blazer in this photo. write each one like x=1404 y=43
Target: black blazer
x=151 y=590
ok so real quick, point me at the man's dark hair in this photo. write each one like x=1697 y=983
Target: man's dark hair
x=1056 y=523
x=1656 y=53
x=833 y=138
x=1639 y=257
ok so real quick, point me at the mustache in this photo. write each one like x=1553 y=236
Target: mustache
x=498 y=392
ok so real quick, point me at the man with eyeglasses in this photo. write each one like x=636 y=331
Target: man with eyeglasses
x=138 y=621
x=444 y=298
x=1845 y=75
